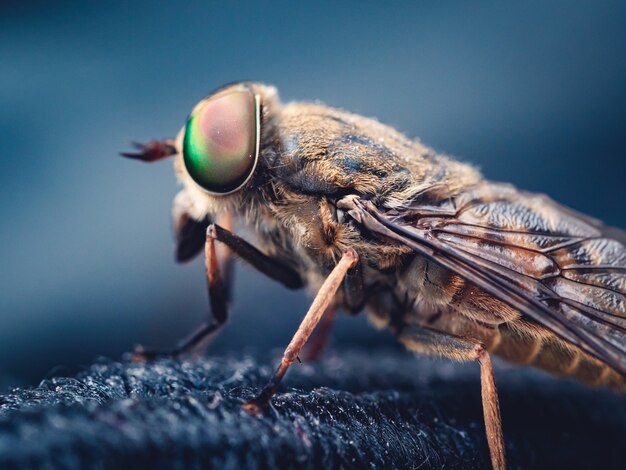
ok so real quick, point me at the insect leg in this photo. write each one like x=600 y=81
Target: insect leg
x=354 y=297
x=267 y=265
x=318 y=342
x=321 y=302
x=218 y=298
x=219 y=289
x=428 y=341
x=225 y=255
x=152 y=151
x=491 y=413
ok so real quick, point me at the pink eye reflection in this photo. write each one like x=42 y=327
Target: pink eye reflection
x=227 y=124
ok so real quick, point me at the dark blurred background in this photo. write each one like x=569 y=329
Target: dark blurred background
x=532 y=92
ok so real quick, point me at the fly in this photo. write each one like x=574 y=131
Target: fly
x=370 y=220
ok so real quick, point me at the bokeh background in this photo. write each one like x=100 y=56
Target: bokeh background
x=532 y=92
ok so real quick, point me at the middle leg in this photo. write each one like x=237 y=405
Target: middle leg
x=316 y=345
x=321 y=302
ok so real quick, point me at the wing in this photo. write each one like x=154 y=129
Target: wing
x=564 y=270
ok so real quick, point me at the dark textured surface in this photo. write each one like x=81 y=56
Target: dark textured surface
x=353 y=409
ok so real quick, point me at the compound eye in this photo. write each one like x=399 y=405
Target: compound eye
x=221 y=143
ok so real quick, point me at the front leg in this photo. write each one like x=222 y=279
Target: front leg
x=218 y=288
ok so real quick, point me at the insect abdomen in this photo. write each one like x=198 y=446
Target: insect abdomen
x=531 y=345
x=460 y=309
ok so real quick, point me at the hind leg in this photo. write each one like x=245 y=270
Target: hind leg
x=426 y=341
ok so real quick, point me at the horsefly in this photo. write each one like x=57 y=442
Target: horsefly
x=454 y=265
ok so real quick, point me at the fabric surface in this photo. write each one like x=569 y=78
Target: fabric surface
x=354 y=409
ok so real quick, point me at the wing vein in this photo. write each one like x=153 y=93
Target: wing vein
x=496 y=280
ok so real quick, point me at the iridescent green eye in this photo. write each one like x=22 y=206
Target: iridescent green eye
x=221 y=143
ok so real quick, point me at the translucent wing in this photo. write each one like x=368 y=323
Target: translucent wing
x=564 y=270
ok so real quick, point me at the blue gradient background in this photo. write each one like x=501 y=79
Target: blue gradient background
x=532 y=92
